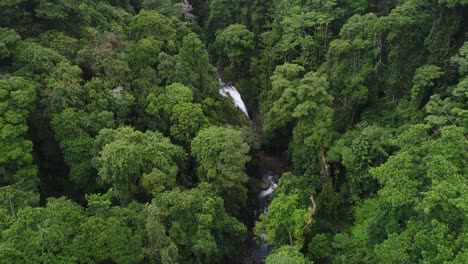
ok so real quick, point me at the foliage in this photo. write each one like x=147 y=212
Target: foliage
x=18 y=182
x=284 y=222
x=423 y=80
x=8 y=38
x=221 y=154
x=194 y=68
x=421 y=196
x=279 y=103
x=74 y=131
x=17 y=98
x=303 y=105
x=198 y=224
x=166 y=7
x=187 y=119
x=235 y=42
x=357 y=150
x=286 y=254
x=130 y=161
x=112 y=107
x=161 y=106
x=36 y=58
x=150 y=23
x=62 y=232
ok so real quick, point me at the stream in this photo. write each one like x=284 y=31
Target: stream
x=255 y=248
x=258 y=249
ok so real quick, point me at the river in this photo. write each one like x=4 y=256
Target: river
x=255 y=249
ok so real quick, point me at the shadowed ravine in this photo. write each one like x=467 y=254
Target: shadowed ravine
x=255 y=248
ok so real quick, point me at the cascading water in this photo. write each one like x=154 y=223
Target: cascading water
x=259 y=250
x=227 y=89
x=273 y=185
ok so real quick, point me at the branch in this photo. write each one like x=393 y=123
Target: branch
x=290 y=236
x=11 y=207
x=323 y=162
x=312 y=212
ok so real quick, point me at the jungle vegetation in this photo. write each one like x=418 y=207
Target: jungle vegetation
x=116 y=147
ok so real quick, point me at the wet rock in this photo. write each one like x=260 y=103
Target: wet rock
x=265 y=183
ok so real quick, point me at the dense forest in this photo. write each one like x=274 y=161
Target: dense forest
x=117 y=147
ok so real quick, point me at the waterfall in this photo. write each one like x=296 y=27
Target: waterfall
x=258 y=249
x=270 y=189
x=227 y=89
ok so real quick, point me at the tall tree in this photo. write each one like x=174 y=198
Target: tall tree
x=194 y=68
x=186 y=120
x=419 y=210
x=18 y=173
x=198 y=224
x=221 y=154
x=312 y=133
x=75 y=131
x=161 y=106
x=236 y=43
x=133 y=162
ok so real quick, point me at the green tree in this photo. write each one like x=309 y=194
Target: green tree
x=166 y=66
x=63 y=89
x=61 y=232
x=161 y=106
x=451 y=109
x=453 y=3
x=194 y=68
x=75 y=131
x=8 y=40
x=280 y=101
x=351 y=60
x=305 y=32
x=61 y=42
x=149 y=23
x=304 y=105
x=221 y=154
x=418 y=212
x=18 y=173
x=143 y=53
x=42 y=234
x=236 y=43
x=132 y=161
x=173 y=94
x=166 y=7
x=198 y=224
x=111 y=240
x=220 y=15
x=423 y=81
x=312 y=133
x=161 y=247
x=284 y=222
x=186 y=120
x=357 y=150
x=35 y=58
x=286 y=255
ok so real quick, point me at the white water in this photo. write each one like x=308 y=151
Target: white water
x=270 y=189
x=230 y=90
x=259 y=249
